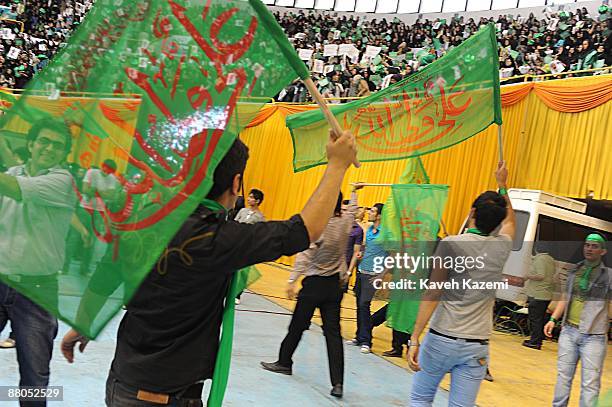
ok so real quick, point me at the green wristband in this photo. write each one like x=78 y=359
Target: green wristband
x=553 y=320
x=503 y=191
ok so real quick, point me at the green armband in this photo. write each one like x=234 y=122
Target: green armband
x=503 y=191
x=552 y=319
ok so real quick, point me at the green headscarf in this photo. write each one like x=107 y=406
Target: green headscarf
x=584 y=280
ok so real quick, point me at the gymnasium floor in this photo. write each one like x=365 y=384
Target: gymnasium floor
x=523 y=377
x=369 y=379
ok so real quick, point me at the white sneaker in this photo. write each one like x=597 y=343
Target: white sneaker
x=8 y=343
x=352 y=342
x=237 y=301
x=365 y=349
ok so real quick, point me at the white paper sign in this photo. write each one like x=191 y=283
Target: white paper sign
x=328 y=69
x=552 y=25
x=305 y=54
x=318 y=66
x=506 y=72
x=556 y=67
x=13 y=53
x=330 y=50
x=42 y=47
x=337 y=35
x=5 y=33
x=345 y=49
x=436 y=25
x=372 y=51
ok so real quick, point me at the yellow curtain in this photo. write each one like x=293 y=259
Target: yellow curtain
x=116 y=116
x=563 y=153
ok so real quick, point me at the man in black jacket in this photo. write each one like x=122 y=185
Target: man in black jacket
x=168 y=339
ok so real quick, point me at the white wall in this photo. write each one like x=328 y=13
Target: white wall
x=591 y=6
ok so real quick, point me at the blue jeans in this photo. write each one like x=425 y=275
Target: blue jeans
x=591 y=350
x=34 y=331
x=466 y=361
x=364 y=292
x=119 y=394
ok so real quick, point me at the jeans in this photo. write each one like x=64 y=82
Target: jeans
x=466 y=361
x=591 y=350
x=34 y=330
x=324 y=293
x=537 y=315
x=119 y=394
x=364 y=292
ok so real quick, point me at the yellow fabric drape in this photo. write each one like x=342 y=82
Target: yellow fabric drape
x=116 y=116
x=571 y=95
x=562 y=153
x=576 y=94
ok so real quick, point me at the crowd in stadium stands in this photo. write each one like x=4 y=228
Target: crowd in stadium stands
x=374 y=53
x=558 y=42
x=46 y=25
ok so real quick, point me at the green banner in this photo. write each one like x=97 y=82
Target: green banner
x=87 y=231
x=410 y=224
x=450 y=100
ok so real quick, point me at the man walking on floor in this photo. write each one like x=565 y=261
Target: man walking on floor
x=458 y=337
x=364 y=288
x=585 y=313
x=539 y=289
x=325 y=271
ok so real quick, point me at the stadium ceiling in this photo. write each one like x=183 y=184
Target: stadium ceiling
x=411 y=6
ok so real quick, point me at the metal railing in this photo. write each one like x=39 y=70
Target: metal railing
x=527 y=78
x=14 y=21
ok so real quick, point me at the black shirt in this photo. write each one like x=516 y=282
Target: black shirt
x=169 y=336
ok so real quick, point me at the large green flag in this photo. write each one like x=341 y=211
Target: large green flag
x=447 y=102
x=177 y=79
x=410 y=224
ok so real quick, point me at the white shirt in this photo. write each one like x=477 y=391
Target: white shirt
x=33 y=231
x=98 y=181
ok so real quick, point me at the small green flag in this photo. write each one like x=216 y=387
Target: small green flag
x=414 y=173
x=410 y=224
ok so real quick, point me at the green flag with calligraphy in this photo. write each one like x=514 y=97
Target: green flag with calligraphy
x=410 y=224
x=448 y=101
x=127 y=124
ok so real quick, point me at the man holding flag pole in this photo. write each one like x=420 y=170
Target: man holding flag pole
x=461 y=324
x=165 y=352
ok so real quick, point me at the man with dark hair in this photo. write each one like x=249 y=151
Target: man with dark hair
x=39 y=191
x=101 y=190
x=459 y=331
x=364 y=287
x=584 y=314
x=539 y=290
x=324 y=269
x=251 y=213
x=168 y=339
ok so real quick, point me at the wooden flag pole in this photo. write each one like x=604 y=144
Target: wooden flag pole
x=500 y=143
x=372 y=185
x=333 y=122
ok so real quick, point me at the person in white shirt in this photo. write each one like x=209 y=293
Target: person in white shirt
x=252 y=214
x=101 y=190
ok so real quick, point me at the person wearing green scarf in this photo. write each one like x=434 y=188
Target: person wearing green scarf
x=177 y=331
x=585 y=311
